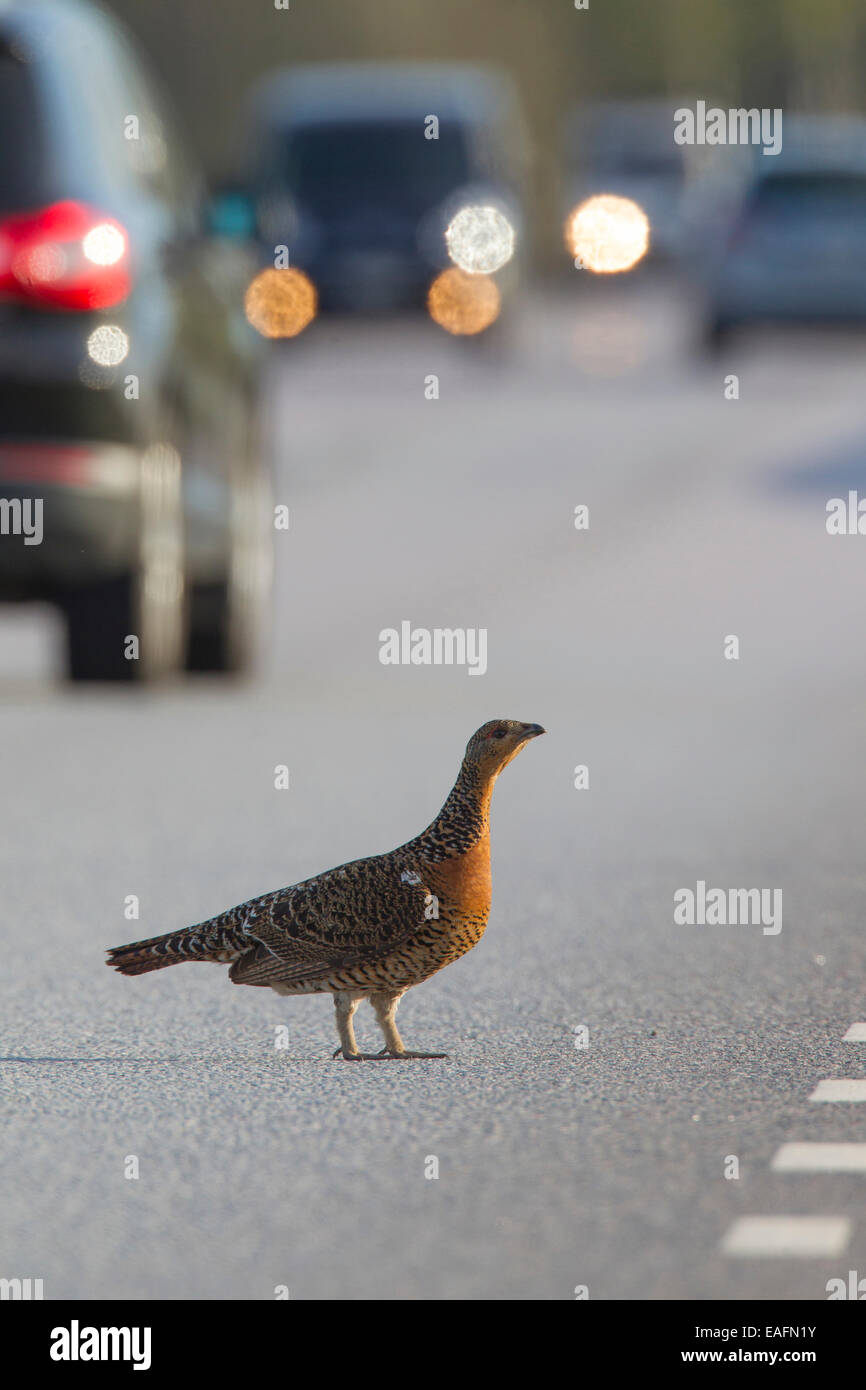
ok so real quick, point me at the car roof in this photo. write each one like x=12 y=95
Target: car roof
x=816 y=145
x=32 y=18
x=317 y=93
x=621 y=117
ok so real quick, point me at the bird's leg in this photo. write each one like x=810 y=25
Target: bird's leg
x=385 y=1008
x=346 y=1004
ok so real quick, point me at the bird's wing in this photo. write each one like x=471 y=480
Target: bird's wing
x=356 y=913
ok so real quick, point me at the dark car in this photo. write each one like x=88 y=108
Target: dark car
x=127 y=372
x=794 y=250
x=358 y=168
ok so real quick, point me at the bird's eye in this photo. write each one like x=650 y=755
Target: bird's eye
x=498 y=733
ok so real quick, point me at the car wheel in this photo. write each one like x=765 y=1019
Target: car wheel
x=227 y=615
x=132 y=627
x=717 y=335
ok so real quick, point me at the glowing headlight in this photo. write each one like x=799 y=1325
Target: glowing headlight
x=608 y=234
x=463 y=304
x=280 y=303
x=480 y=240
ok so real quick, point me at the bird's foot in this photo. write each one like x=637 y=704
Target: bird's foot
x=399 y=1056
x=357 y=1056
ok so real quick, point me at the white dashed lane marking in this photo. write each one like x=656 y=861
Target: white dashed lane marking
x=806 y=1237
x=787 y=1237
x=820 y=1158
x=843 y=1089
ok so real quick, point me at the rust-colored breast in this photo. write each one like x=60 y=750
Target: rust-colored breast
x=462 y=882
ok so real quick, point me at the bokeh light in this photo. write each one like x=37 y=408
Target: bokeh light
x=280 y=303
x=608 y=234
x=108 y=345
x=40 y=265
x=480 y=240
x=104 y=244
x=462 y=303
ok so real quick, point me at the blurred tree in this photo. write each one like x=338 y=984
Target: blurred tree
x=827 y=53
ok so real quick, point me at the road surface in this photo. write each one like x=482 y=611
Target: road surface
x=262 y=1163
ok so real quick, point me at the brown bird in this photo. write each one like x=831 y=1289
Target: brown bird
x=370 y=929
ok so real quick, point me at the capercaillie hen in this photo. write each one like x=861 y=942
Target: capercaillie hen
x=370 y=929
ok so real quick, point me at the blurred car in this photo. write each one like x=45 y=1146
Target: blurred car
x=795 y=246
x=627 y=148
x=344 y=172
x=127 y=372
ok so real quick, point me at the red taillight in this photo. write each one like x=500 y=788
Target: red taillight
x=67 y=255
x=44 y=463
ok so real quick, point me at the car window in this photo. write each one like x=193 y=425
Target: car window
x=835 y=197
x=125 y=119
x=22 y=152
x=331 y=167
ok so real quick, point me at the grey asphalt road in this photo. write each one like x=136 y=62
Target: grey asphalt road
x=264 y=1165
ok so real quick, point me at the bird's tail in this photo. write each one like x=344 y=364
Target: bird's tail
x=203 y=942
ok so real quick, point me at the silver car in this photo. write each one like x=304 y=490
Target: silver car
x=795 y=248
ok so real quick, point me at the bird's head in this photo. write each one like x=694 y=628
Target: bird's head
x=492 y=747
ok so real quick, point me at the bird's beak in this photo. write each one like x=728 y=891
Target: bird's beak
x=533 y=730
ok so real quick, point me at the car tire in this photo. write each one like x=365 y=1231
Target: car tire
x=227 y=615
x=131 y=627
x=104 y=617
x=717 y=335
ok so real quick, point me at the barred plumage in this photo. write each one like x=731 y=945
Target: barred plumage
x=368 y=929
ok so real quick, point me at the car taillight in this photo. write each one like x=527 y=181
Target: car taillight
x=67 y=255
